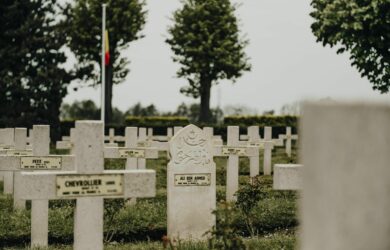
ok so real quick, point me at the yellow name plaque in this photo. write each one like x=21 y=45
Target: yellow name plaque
x=233 y=151
x=84 y=185
x=192 y=179
x=132 y=153
x=257 y=144
x=37 y=162
x=144 y=144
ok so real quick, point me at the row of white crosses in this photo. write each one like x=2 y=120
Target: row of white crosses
x=89 y=184
x=14 y=142
x=39 y=160
x=267 y=144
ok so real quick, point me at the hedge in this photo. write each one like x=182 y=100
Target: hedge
x=156 y=121
x=262 y=121
x=161 y=123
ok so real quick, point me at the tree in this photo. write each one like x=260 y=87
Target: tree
x=87 y=110
x=360 y=27
x=80 y=110
x=139 y=110
x=125 y=20
x=191 y=111
x=205 y=41
x=32 y=81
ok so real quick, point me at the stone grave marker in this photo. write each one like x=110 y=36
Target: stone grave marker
x=288 y=137
x=89 y=185
x=143 y=137
x=161 y=138
x=131 y=152
x=7 y=143
x=217 y=139
x=346 y=190
x=268 y=146
x=67 y=142
x=111 y=138
x=254 y=139
x=40 y=160
x=191 y=185
x=233 y=150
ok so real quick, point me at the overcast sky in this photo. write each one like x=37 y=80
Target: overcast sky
x=287 y=64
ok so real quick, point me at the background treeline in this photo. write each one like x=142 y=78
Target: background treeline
x=150 y=117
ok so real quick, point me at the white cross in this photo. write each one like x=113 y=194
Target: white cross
x=268 y=146
x=288 y=137
x=217 y=139
x=233 y=150
x=16 y=139
x=89 y=185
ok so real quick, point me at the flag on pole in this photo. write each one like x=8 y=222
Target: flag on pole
x=106 y=49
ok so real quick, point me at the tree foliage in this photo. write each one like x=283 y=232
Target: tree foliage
x=360 y=27
x=32 y=80
x=125 y=20
x=205 y=41
x=87 y=110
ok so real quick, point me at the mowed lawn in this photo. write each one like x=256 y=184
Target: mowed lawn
x=142 y=226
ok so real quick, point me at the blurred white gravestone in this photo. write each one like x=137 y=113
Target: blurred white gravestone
x=96 y=185
x=191 y=186
x=346 y=190
x=268 y=146
x=288 y=137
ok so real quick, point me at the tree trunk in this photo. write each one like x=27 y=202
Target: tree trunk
x=205 y=114
x=108 y=94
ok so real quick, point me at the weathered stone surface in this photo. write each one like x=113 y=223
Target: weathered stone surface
x=346 y=188
x=190 y=206
x=288 y=176
x=268 y=146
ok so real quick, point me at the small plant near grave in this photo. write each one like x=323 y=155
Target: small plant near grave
x=111 y=209
x=248 y=197
x=225 y=236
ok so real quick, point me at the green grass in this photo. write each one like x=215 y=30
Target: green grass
x=143 y=225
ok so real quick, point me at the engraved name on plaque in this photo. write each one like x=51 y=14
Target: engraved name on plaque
x=89 y=185
x=233 y=151
x=35 y=162
x=132 y=153
x=192 y=179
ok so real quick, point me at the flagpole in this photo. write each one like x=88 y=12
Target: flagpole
x=103 y=87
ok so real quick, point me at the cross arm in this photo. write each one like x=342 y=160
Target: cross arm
x=136 y=152
x=26 y=163
x=46 y=184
